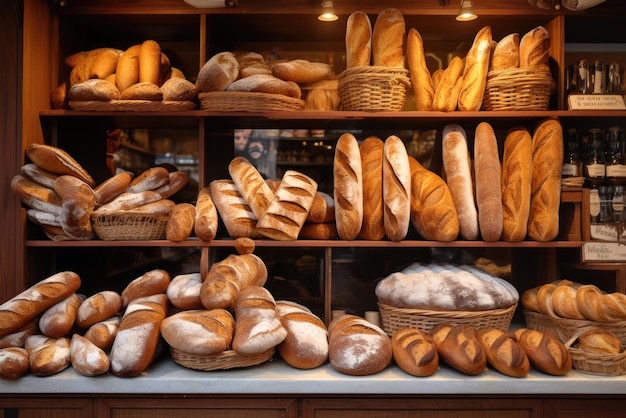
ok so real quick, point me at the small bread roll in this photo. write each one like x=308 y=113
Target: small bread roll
x=178 y=89
x=504 y=352
x=545 y=352
x=98 y=307
x=458 y=347
x=47 y=356
x=143 y=91
x=13 y=363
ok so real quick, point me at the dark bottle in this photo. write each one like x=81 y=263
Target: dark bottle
x=595 y=168
x=615 y=164
x=572 y=164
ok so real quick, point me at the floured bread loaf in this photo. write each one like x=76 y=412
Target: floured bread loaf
x=445 y=287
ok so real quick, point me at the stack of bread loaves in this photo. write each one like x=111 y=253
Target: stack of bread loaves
x=142 y=72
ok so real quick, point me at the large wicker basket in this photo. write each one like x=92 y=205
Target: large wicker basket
x=394 y=319
x=130 y=226
x=228 y=359
x=239 y=101
x=373 y=88
x=595 y=363
x=518 y=89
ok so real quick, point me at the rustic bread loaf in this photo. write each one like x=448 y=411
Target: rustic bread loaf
x=503 y=352
x=459 y=348
x=17 y=337
x=372 y=154
x=348 y=187
x=233 y=209
x=94 y=89
x=414 y=351
x=207 y=220
x=302 y=71
x=449 y=85
x=199 y=331
x=58 y=320
x=545 y=352
x=112 y=187
x=78 y=203
x=251 y=185
x=150 y=283
x=98 y=307
x=265 y=83
x=599 y=341
x=55 y=160
x=181 y=222
x=36 y=196
x=534 y=49
x=127 y=70
x=218 y=72
x=87 y=358
x=516 y=184
x=506 y=53
x=102 y=334
x=475 y=71
x=143 y=91
x=487 y=172
x=47 y=356
x=13 y=363
x=396 y=189
x=179 y=90
x=421 y=79
x=183 y=291
x=388 y=39
x=358 y=40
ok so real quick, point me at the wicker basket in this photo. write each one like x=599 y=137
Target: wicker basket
x=132 y=106
x=239 y=101
x=518 y=89
x=373 y=88
x=564 y=328
x=394 y=319
x=595 y=363
x=130 y=226
x=228 y=359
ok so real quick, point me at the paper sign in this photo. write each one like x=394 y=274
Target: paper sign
x=603 y=251
x=596 y=102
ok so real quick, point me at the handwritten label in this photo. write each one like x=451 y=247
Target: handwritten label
x=596 y=102
x=603 y=251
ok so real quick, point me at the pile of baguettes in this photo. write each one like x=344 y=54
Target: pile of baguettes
x=141 y=72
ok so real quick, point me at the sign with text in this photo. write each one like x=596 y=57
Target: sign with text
x=596 y=102
x=604 y=251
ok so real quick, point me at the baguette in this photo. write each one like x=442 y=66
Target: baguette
x=396 y=189
x=251 y=185
x=516 y=184
x=206 y=222
x=348 y=187
x=534 y=49
x=150 y=62
x=506 y=53
x=234 y=211
x=55 y=160
x=475 y=71
x=421 y=79
x=388 y=39
x=373 y=226
x=448 y=88
x=358 y=40
x=488 y=182
x=127 y=71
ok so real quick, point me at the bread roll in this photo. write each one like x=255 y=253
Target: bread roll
x=180 y=224
x=475 y=71
x=306 y=344
x=25 y=306
x=143 y=91
x=396 y=189
x=36 y=196
x=127 y=71
x=183 y=291
x=421 y=79
x=57 y=161
x=516 y=184
x=98 y=307
x=13 y=363
x=503 y=352
x=199 y=331
x=388 y=39
x=534 y=49
x=372 y=154
x=599 y=341
x=218 y=72
x=179 y=90
x=206 y=222
x=506 y=53
x=251 y=185
x=288 y=210
x=322 y=208
x=233 y=209
x=258 y=327
x=150 y=283
x=302 y=71
x=58 y=320
x=358 y=40
x=136 y=343
x=414 y=352
x=543 y=222
x=487 y=171
x=348 y=187
x=457 y=167
x=47 y=356
x=459 y=348
x=102 y=334
x=449 y=86
x=228 y=277
x=545 y=352
x=112 y=187
x=357 y=347
x=94 y=90
x=150 y=62
x=87 y=358
x=433 y=213
x=265 y=83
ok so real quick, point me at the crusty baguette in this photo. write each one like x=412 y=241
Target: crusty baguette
x=251 y=185
x=475 y=71
x=388 y=39
x=516 y=183
x=348 y=187
x=234 y=211
x=421 y=79
x=396 y=189
x=534 y=49
x=506 y=53
x=373 y=226
x=207 y=220
x=487 y=170
x=543 y=222
x=447 y=92
x=358 y=40
x=57 y=161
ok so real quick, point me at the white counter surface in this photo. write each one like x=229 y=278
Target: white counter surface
x=277 y=378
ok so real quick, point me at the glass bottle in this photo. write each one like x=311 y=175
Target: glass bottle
x=615 y=164
x=595 y=168
x=572 y=164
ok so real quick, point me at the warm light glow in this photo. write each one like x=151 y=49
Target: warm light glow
x=329 y=11
x=467 y=11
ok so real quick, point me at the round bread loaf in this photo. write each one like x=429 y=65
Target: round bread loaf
x=87 y=358
x=199 y=331
x=218 y=72
x=184 y=291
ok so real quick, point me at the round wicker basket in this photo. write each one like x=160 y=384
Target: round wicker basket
x=238 y=101
x=373 y=88
x=228 y=359
x=394 y=319
x=130 y=226
x=518 y=89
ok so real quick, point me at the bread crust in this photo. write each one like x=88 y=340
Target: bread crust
x=516 y=184
x=348 y=187
x=388 y=39
x=488 y=182
x=475 y=71
x=358 y=40
x=421 y=79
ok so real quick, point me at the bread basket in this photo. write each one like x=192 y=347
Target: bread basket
x=394 y=319
x=595 y=363
x=129 y=226
x=518 y=89
x=240 y=101
x=373 y=88
x=132 y=106
x=228 y=359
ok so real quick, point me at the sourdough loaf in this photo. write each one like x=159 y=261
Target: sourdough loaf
x=306 y=344
x=199 y=331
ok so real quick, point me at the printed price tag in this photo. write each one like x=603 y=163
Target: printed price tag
x=596 y=102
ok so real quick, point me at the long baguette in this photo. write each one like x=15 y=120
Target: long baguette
x=348 y=187
x=517 y=166
x=487 y=170
x=373 y=227
x=420 y=75
x=475 y=72
x=251 y=185
x=396 y=189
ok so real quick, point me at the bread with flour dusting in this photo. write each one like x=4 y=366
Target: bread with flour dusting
x=306 y=344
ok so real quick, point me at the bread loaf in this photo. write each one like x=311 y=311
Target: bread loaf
x=258 y=327
x=288 y=210
x=475 y=71
x=112 y=187
x=545 y=352
x=534 y=49
x=564 y=302
x=358 y=40
x=457 y=167
x=245 y=245
x=36 y=196
x=47 y=356
x=218 y=72
x=55 y=160
x=306 y=343
x=321 y=231
x=459 y=348
x=449 y=86
x=17 y=337
x=150 y=283
x=433 y=213
x=516 y=184
x=414 y=352
x=228 y=277
x=183 y=291
x=128 y=201
x=25 y=306
x=58 y=320
x=179 y=90
x=60 y=96
x=372 y=154
x=143 y=91
x=396 y=189
x=98 y=307
x=506 y=53
x=94 y=90
x=13 y=363
x=102 y=334
x=177 y=180
x=87 y=358
x=302 y=71
x=180 y=224
x=357 y=347
x=233 y=209
x=421 y=79
x=503 y=352
x=599 y=341
x=348 y=187
x=104 y=63
x=199 y=331
x=265 y=83
x=322 y=208
x=251 y=185
x=127 y=71
x=78 y=202
x=487 y=171
x=588 y=300
x=543 y=222
x=150 y=62
x=206 y=222
x=137 y=340
x=149 y=179
x=388 y=39
x=39 y=175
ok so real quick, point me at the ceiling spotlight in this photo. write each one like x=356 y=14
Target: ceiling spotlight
x=328 y=13
x=467 y=11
